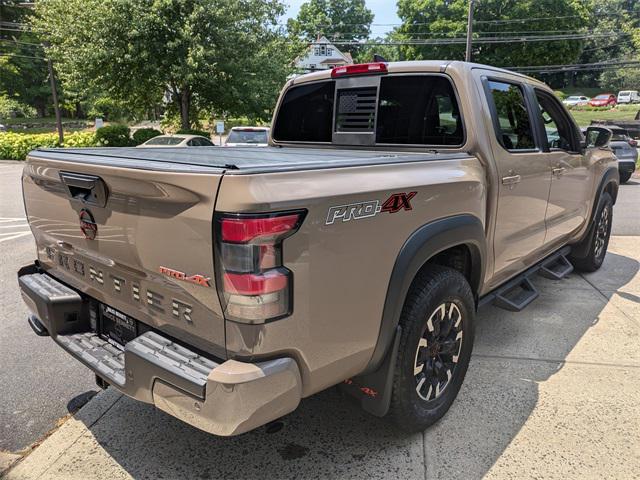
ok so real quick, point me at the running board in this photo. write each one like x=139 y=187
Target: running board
x=556 y=268
x=517 y=293
x=516 y=297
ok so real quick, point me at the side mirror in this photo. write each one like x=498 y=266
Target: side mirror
x=597 y=137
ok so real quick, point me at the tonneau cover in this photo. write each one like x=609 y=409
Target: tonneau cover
x=235 y=160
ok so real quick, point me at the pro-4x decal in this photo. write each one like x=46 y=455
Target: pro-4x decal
x=357 y=211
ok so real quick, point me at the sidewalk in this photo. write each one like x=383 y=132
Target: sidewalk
x=552 y=392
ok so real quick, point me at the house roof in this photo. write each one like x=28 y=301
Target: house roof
x=334 y=60
x=337 y=57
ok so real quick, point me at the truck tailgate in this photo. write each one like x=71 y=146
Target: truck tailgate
x=145 y=246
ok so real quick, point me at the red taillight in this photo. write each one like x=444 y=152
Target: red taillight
x=359 y=69
x=254 y=285
x=239 y=230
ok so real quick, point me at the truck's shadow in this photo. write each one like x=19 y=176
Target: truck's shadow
x=330 y=437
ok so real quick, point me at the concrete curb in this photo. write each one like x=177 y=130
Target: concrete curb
x=44 y=456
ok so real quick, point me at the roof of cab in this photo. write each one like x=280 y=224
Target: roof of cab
x=418 y=66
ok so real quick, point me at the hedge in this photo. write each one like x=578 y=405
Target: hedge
x=143 y=134
x=113 y=136
x=16 y=146
x=192 y=131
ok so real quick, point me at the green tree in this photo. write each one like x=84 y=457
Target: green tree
x=23 y=72
x=344 y=20
x=623 y=18
x=443 y=19
x=387 y=47
x=205 y=54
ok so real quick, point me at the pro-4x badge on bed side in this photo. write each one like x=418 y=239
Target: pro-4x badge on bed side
x=356 y=211
x=197 y=279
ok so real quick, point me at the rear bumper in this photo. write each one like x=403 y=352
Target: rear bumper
x=223 y=398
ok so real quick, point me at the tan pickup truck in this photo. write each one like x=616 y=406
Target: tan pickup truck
x=224 y=285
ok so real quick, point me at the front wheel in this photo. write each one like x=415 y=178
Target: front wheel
x=435 y=347
x=598 y=239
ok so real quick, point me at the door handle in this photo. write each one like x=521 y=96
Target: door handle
x=558 y=171
x=511 y=179
x=88 y=189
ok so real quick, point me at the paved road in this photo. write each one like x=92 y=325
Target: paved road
x=38 y=383
x=626 y=213
x=551 y=392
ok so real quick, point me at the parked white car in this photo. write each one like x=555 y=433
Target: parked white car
x=576 y=100
x=177 y=141
x=248 y=137
x=628 y=96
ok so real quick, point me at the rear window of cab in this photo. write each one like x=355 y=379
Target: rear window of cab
x=403 y=110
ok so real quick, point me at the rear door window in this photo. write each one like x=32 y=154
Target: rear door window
x=511 y=116
x=558 y=128
x=418 y=110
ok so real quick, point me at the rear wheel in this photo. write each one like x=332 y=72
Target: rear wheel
x=598 y=239
x=435 y=347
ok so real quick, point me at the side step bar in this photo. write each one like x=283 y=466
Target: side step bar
x=519 y=292
x=516 y=297
x=556 y=268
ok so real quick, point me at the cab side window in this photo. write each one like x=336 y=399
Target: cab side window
x=512 y=120
x=558 y=127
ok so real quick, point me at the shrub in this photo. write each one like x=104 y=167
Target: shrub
x=143 y=134
x=16 y=146
x=80 y=139
x=191 y=131
x=113 y=136
x=11 y=108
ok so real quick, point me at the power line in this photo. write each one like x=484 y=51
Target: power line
x=620 y=63
x=497 y=22
x=626 y=42
x=8 y=40
x=15 y=29
x=12 y=55
x=511 y=32
x=481 y=40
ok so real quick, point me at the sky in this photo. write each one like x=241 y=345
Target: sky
x=384 y=11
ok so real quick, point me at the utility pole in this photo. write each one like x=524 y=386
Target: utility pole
x=56 y=106
x=467 y=56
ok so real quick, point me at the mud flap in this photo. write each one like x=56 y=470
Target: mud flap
x=373 y=390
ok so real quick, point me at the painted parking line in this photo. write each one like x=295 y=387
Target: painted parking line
x=17 y=235
x=12 y=228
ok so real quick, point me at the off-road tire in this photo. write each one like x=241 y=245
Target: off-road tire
x=432 y=288
x=624 y=177
x=598 y=239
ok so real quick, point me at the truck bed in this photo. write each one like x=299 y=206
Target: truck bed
x=236 y=160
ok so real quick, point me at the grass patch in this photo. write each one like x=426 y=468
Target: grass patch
x=585 y=117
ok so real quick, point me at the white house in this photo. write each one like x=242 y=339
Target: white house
x=322 y=55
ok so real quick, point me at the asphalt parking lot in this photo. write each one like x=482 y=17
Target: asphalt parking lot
x=551 y=392
x=33 y=396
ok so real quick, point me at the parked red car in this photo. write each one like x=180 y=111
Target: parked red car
x=604 y=100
